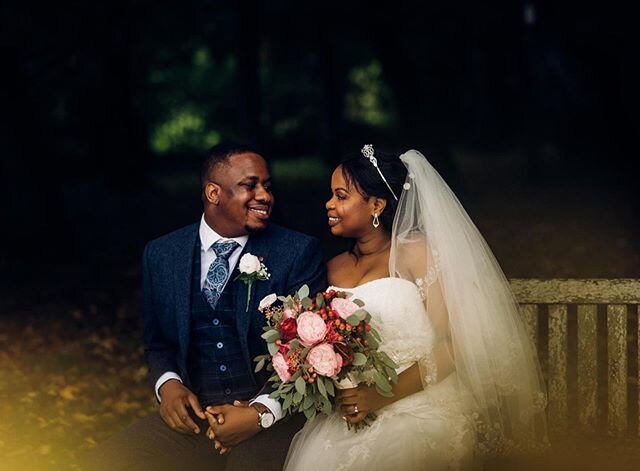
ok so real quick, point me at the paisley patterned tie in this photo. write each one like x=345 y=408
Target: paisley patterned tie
x=218 y=271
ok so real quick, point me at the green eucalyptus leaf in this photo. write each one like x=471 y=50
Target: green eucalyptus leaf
x=303 y=292
x=359 y=302
x=373 y=342
x=306 y=303
x=359 y=359
x=381 y=382
x=326 y=407
x=361 y=314
x=310 y=413
x=273 y=348
x=287 y=401
x=320 y=301
x=260 y=365
x=387 y=360
x=308 y=401
x=301 y=385
x=391 y=373
x=375 y=334
x=353 y=320
x=330 y=389
x=321 y=388
x=383 y=393
x=271 y=336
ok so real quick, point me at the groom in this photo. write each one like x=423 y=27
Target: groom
x=201 y=334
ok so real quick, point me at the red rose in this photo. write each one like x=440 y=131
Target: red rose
x=289 y=329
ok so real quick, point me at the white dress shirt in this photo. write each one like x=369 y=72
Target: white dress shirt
x=208 y=237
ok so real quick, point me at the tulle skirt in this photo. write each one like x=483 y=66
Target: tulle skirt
x=427 y=430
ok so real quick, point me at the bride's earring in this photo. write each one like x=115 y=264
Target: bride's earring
x=376 y=221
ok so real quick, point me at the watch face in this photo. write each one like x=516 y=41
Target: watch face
x=267 y=420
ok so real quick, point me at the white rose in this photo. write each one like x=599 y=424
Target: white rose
x=249 y=264
x=267 y=301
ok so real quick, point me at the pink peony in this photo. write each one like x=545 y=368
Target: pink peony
x=325 y=360
x=281 y=366
x=344 y=307
x=311 y=328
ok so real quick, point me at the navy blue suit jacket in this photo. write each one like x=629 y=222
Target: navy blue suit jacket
x=291 y=258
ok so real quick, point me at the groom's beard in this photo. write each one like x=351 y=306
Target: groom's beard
x=255 y=230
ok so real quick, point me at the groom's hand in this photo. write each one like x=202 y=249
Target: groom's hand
x=176 y=398
x=235 y=423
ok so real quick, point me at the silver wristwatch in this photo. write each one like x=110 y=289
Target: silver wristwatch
x=265 y=418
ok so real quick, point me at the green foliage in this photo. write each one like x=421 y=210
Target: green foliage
x=369 y=99
x=185 y=100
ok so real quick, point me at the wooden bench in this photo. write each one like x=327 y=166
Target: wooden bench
x=586 y=332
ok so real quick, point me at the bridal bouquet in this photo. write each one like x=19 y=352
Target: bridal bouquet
x=317 y=344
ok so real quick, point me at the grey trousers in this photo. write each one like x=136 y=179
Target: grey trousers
x=151 y=445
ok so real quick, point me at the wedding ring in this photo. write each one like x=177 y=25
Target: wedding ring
x=355 y=409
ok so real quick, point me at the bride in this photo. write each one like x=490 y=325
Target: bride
x=469 y=384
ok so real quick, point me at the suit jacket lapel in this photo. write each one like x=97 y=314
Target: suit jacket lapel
x=184 y=253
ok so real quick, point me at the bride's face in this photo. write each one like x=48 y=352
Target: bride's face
x=349 y=213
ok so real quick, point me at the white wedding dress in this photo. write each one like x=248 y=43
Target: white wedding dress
x=428 y=430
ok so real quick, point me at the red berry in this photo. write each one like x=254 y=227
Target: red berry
x=278 y=342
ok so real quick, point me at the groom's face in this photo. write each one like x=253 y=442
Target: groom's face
x=244 y=198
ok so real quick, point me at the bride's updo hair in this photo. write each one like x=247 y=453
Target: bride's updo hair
x=360 y=172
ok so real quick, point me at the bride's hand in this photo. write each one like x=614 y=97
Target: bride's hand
x=356 y=403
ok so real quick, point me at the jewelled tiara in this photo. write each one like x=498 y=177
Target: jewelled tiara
x=367 y=151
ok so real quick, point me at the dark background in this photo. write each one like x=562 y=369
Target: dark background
x=108 y=108
x=527 y=108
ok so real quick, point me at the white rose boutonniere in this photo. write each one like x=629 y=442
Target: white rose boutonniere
x=251 y=269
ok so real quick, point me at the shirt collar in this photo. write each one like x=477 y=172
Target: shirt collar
x=208 y=236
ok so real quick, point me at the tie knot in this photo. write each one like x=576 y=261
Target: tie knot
x=224 y=248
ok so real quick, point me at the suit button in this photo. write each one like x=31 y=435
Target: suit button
x=216 y=321
x=219 y=345
x=223 y=368
x=227 y=391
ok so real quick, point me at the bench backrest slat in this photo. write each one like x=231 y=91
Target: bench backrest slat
x=587 y=350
